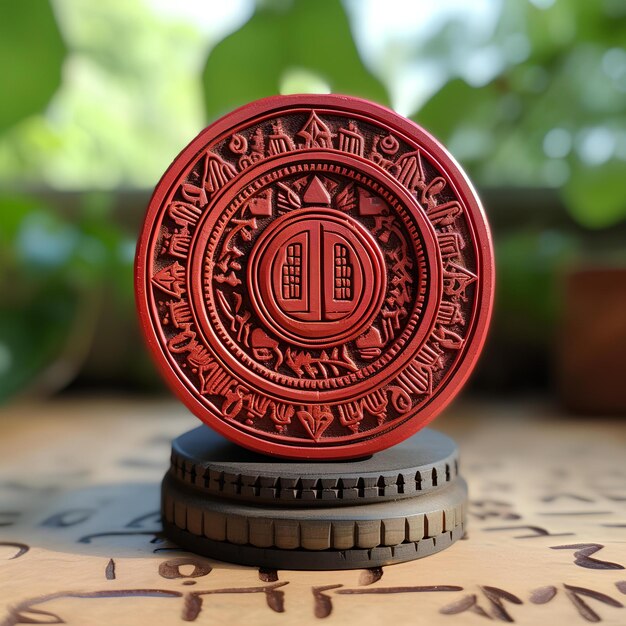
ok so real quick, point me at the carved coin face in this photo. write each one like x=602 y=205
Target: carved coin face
x=315 y=277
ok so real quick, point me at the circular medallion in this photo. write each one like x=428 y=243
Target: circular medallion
x=315 y=277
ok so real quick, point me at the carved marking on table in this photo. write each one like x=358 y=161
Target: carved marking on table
x=21 y=548
x=570 y=496
x=575 y=513
x=322 y=602
x=171 y=549
x=614 y=498
x=542 y=595
x=156 y=534
x=170 y=569
x=466 y=603
x=495 y=597
x=274 y=597
x=71 y=517
x=575 y=595
x=24 y=613
x=537 y=531
x=582 y=556
x=484 y=509
x=401 y=589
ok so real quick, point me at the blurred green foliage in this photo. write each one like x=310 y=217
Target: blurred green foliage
x=55 y=273
x=555 y=115
x=129 y=101
x=31 y=53
x=282 y=37
x=102 y=96
x=529 y=260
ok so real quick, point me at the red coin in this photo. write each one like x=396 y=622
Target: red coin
x=315 y=277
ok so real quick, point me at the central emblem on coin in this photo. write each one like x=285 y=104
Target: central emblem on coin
x=316 y=277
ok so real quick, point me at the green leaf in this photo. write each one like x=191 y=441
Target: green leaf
x=595 y=195
x=310 y=35
x=457 y=103
x=31 y=54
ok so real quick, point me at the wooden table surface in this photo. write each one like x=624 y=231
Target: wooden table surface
x=80 y=541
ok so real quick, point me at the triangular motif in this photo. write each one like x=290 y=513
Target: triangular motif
x=316 y=193
x=171 y=279
x=456 y=279
x=315 y=133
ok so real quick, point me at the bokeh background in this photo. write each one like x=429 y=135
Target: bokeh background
x=97 y=98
